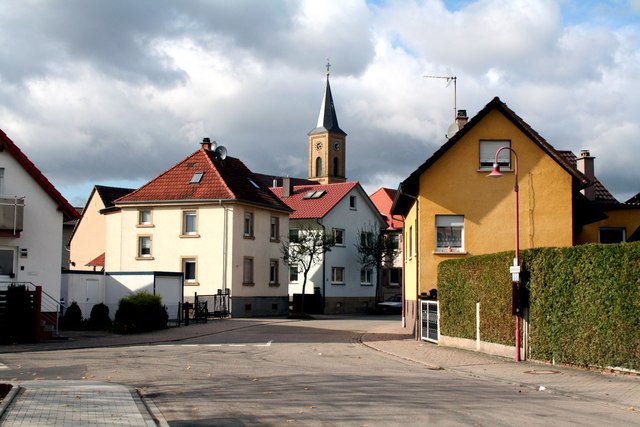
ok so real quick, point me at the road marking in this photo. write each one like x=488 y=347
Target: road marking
x=214 y=345
x=3 y=366
x=268 y=344
x=237 y=345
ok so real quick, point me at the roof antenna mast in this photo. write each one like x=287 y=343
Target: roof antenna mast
x=449 y=79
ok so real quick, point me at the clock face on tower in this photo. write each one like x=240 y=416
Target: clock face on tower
x=336 y=146
x=318 y=146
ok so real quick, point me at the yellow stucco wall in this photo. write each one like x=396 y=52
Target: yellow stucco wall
x=453 y=185
x=89 y=239
x=627 y=218
x=169 y=247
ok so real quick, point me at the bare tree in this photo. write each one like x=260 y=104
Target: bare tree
x=376 y=249
x=305 y=249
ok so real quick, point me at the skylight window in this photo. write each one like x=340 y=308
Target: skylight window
x=196 y=178
x=314 y=194
x=253 y=183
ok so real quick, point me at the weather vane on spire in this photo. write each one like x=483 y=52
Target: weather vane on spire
x=328 y=66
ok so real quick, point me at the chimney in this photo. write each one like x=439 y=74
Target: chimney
x=206 y=144
x=584 y=164
x=462 y=119
x=287 y=188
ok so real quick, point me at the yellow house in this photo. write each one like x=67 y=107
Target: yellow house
x=453 y=210
x=211 y=219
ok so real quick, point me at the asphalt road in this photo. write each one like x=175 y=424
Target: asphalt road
x=305 y=373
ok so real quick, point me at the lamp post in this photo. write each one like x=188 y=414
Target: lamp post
x=515 y=270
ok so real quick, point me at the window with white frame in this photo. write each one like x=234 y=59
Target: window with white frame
x=488 y=150
x=365 y=276
x=410 y=243
x=273 y=272
x=247 y=271
x=189 y=270
x=144 y=217
x=144 y=246
x=337 y=275
x=248 y=224
x=338 y=236
x=189 y=223
x=293 y=273
x=609 y=235
x=449 y=233
x=366 y=238
x=395 y=241
x=274 y=230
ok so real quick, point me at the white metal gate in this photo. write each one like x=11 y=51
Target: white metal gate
x=430 y=314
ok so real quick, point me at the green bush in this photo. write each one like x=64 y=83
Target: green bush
x=141 y=312
x=72 y=318
x=584 y=302
x=99 y=318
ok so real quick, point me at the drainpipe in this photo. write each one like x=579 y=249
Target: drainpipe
x=324 y=259
x=224 y=248
x=404 y=319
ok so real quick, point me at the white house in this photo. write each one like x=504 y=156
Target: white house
x=345 y=210
x=32 y=213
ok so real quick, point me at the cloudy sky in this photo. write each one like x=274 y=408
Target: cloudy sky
x=115 y=92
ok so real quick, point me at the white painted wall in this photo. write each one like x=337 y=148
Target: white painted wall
x=42 y=234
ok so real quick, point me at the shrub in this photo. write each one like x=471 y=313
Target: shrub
x=141 y=312
x=72 y=318
x=99 y=318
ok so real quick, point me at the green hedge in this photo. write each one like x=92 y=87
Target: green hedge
x=141 y=312
x=584 y=302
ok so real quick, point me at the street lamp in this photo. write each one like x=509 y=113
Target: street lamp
x=515 y=270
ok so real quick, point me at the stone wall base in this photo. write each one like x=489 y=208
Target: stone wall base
x=259 y=306
x=481 y=346
x=344 y=305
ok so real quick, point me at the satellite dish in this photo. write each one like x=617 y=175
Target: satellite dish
x=214 y=144
x=221 y=153
x=453 y=129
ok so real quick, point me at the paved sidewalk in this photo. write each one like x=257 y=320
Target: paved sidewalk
x=613 y=388
x=75 y=403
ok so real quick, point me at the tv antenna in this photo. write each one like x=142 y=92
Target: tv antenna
x=449 y=79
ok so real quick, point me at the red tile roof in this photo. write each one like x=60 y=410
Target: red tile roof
x=383 y=199
x=315 y=208
x=69 y=212
x=221 y=180
x=97 y=261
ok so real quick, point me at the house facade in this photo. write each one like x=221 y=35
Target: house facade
x=209 y=218
x=32 y=213
x=453 y=210
x=88 y=239
x=345 y=211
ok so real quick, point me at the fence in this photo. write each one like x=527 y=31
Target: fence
x=43 y=308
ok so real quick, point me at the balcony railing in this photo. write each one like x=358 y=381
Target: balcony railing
x=11 y=213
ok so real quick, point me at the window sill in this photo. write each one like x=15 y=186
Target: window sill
x=189 y=236
x=274 y=285
x=393 y=285
x=145 y=225
x=340 y=245
x=249 y=237
x=366 y=284
x=144 y=258
x=337 y=284
x=449 y=253
x=191 y=284
x=248 y=284
x=274 y=240
x=490 y=169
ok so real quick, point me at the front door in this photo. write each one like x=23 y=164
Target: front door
x=7 y=263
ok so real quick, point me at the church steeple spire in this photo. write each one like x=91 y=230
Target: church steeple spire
x=327 y=119
x=327 y=143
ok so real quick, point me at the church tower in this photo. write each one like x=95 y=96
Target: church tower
x=327 y=148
